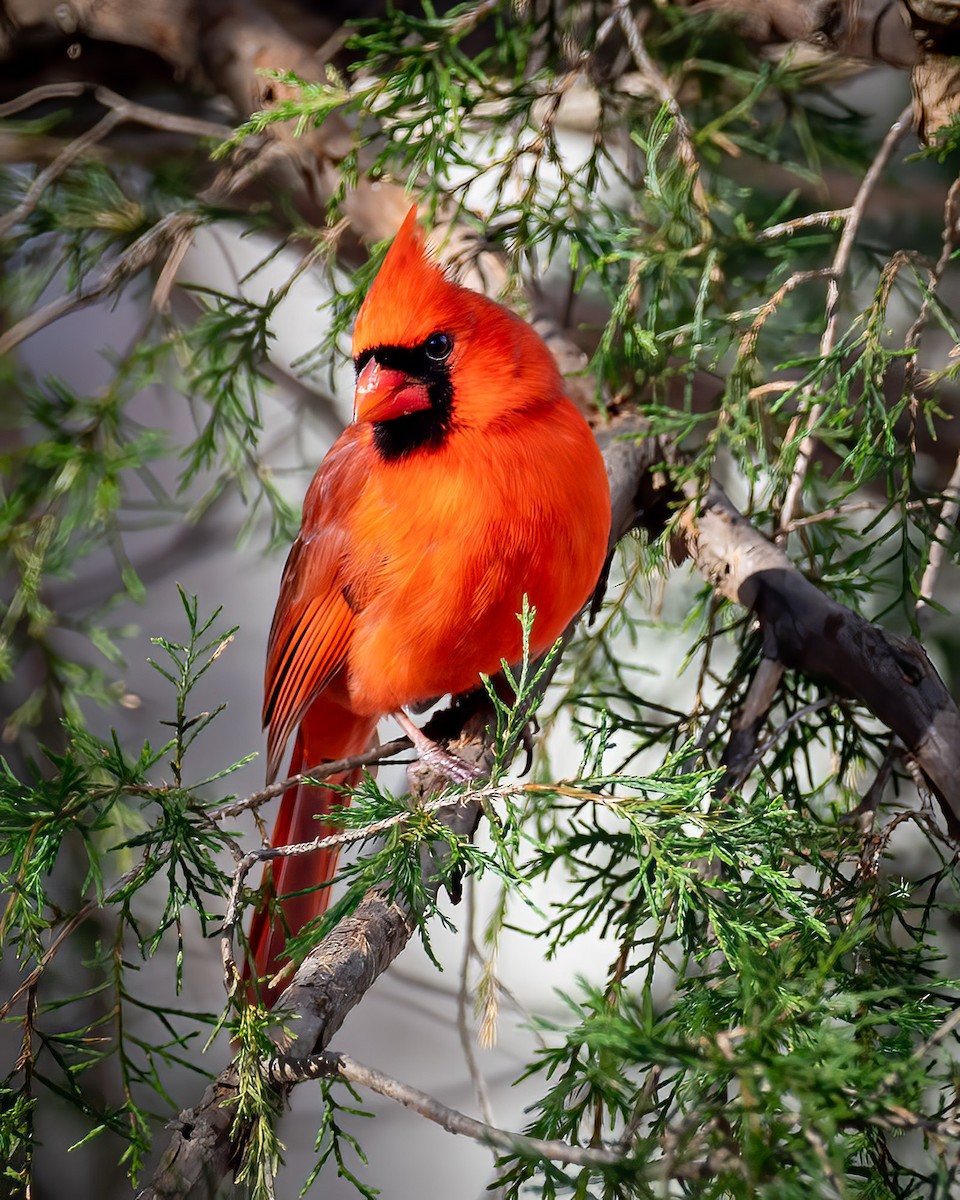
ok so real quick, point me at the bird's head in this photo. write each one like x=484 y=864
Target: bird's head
x=432 y=356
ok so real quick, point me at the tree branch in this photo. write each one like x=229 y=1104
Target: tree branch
x=807 y=631
x=802 y=628
x=285 y=1070
x=337 y=766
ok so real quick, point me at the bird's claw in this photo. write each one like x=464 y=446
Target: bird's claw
x=442 y=761
x=446 y=764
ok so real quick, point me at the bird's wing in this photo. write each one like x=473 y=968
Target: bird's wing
x=314 y=620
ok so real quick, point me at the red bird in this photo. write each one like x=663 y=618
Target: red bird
x=466 y=480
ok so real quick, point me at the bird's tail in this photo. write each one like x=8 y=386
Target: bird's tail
x=328 y=731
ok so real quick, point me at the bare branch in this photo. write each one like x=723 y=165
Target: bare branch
x=748 y=721
x=121 y=110
x=769 y=306
x=951 y=494
x=158 y=118
x=285 y=1070
x=69 y=154
x=805 y=710
x=464 y=1031
x=37 y=95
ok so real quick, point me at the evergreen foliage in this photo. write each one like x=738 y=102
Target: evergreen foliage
x=780 y=1019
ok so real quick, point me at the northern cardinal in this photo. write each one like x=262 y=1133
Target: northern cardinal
x=466 y=480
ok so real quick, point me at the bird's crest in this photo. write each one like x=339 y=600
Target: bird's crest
x=409 y=296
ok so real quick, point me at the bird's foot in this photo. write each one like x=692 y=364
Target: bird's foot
x=440 y=760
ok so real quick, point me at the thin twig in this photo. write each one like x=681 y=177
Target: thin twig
x=463 y=996
x=829 y=514
x=915 y=332
x=376 y=754
x=48 y=91
x=826 y=1166
x=159 y=118
x=69 y=928
x=841 y=261
x=128 y=264
x=863 y=815
x=785 y=228
x=661 y=88
x=764 y=310
x=764 y=686
x=951 y=493
x=902 y=1119
x=939 y=1034
x=748 y=721
x=44 y=178
x=176 y=230
x=283 y=1070
x=120 y=110
x=761 y=751
x=168 y=232
x=941 y=541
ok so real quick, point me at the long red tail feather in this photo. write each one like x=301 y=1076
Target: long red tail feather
x=328 y=731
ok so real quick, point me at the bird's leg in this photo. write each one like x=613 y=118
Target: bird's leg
x=448 y=765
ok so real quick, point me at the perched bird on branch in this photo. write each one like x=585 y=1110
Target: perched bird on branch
x=467 y=480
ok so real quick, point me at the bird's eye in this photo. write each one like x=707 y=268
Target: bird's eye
x=438 y=346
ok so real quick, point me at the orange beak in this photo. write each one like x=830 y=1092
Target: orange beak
x=384 y=393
